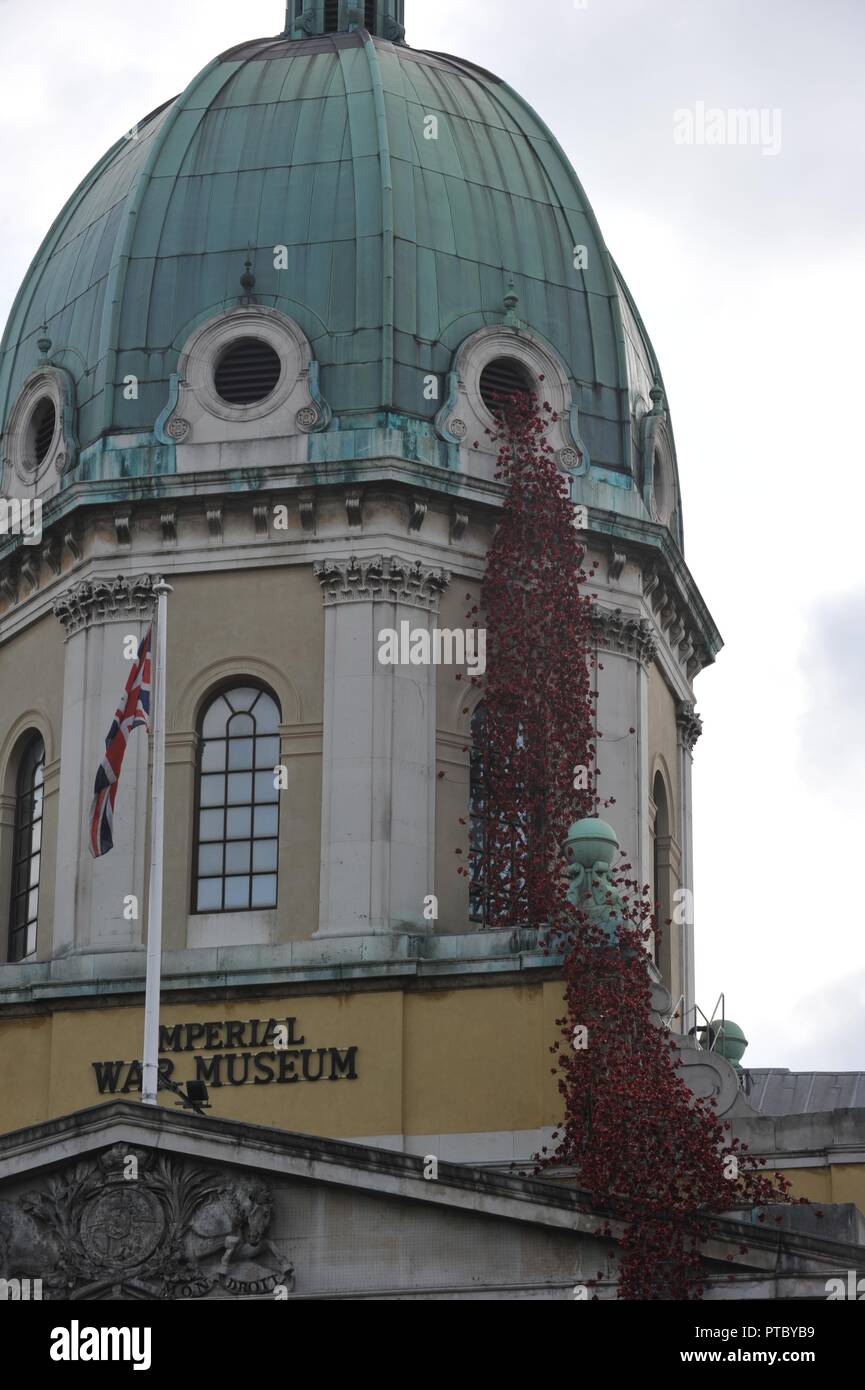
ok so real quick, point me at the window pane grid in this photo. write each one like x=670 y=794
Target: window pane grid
x=26 y=853
x=238 y=819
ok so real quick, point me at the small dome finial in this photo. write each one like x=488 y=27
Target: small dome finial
x=247 y=279
x=657 y=394
x=511 y=300
x=43 y=343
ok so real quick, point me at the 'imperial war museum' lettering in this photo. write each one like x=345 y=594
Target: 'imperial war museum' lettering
x=234 y=1053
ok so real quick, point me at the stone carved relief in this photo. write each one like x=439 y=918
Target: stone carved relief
x=385 y=578
x=105 y=600
x=175 y=1231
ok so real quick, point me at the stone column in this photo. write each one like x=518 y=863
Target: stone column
x=690 y=727
x=626 y=647
x=378 y=777
x=91 y=894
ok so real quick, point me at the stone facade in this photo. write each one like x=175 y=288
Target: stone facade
x=157 y=1205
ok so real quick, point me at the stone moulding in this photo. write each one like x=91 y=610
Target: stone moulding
x=465 y=419
x=92 y=601
x=194 y=406
x=686 y=646
x=625 y=635
x=381 y=578
x=47 y=382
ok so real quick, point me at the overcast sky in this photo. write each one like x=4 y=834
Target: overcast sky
x=748 y=270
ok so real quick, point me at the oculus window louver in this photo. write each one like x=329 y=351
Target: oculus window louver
x=501 y=378
x=369 y=15
x=247 y=372
x=43 y=425
x=331 y=16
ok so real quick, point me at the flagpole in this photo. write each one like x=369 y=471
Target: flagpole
x=150 y=1070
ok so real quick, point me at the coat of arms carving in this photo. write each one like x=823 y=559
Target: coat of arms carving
x=133 y=1224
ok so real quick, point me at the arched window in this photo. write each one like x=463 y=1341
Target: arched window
x=478 y=866
x=27 y=850
x=497 y=847
x=237 y=805
x=661 y=874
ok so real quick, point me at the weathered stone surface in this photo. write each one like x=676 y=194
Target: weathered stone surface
x=126 y=1201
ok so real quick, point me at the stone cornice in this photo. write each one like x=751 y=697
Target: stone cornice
x=381 y=578
x=106 y=600
x=653 y=548
x=440 y=960
x=624 y=634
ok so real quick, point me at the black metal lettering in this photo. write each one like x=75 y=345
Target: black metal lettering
x=342 y=1063
x=107 y=1076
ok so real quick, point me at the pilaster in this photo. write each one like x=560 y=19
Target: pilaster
x=378 y=779
x=626 y=648
x=92 y=896
x=689 y=727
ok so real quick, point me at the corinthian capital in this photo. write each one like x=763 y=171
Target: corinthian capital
x=690 y=725
x=381 y=578
x=107 y=600
x=624 y=634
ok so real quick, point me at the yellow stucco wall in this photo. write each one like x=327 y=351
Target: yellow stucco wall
x=837 y=1182
x=663 y=741
x=277 y=624
x=443 y=1061
x=430 y=1063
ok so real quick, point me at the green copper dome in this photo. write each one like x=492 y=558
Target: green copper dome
x=403 y=234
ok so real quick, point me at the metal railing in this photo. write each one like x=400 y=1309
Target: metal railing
x=713 y=1028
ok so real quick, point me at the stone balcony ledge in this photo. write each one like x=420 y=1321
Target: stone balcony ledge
x=379 y=958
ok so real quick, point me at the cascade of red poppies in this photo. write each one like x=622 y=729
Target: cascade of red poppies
x=538 y=707
x=644 y=1149
x=643 y=1146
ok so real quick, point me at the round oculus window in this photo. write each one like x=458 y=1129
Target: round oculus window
x=502 y=380
x=247 y=372
x=660 y=488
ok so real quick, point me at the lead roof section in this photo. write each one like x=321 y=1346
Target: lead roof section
x=778 y=1091
x=283 y=143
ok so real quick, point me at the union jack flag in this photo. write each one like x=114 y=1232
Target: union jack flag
x=132 y=713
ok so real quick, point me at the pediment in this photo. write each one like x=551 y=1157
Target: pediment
x=125 y=1202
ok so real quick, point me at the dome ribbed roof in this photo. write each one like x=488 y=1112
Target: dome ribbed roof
x=399 y=246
